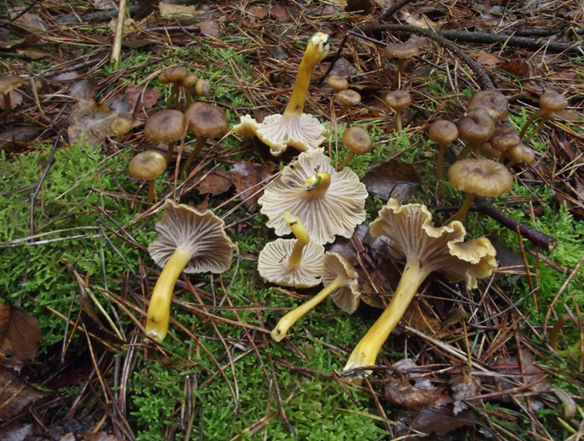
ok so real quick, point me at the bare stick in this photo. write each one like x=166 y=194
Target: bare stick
x=117 y=46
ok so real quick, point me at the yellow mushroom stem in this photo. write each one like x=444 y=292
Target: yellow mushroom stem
x=293 y=316
x=528 y=123
x=199 y=143
x=396 y=83
x=302 y=239
x=534 y=131
x=318 y=184
x=348 y=159
x=159 y=308
x=316 y=51
x=440 y=162
x=7 y=107
x=366 y=351
x=459 y=216
x=170 y=151
x=151 y=190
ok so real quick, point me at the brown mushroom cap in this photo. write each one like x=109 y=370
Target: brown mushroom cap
x=274 y=267
x=337 y=82
x=147 y=165
x=398 y=100
x=9 y=83
x=480 y=176
x=552 y=102
x=487 y=151
x=189 y=80
x=357 y=140
x=199 y=232
x=347 y=296
x=206 y=120
x=402 y=50
x=493 y=102
x=121 y=125
x=348 y=97
x=521 y=153
x=504 y=138
x=203 y=88
x=174 y=74
x=443 y=132
x=165 y=126
x=477 y=127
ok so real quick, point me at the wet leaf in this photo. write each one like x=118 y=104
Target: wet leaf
x=486 y=59
x=20 y=335
x=392 y=179
x=359 y=5
x=145 y=99
x=246 y=177
x=519 y=68
x=217 y=182
x=89 y=122
x=32 y=22
x=258 y=11
x=9 y=44
x=280 y=13
x=209 y=28
x=15 y=394
x=15 y=99
x=83 y=90
x=440 y=420
x=16 y=432
x=464 y=387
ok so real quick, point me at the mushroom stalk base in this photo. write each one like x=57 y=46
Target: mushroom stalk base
x=366 y=351
x=293 y=316
x=528 y=123
x=159 y=309
x=350 y=156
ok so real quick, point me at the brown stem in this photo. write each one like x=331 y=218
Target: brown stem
x=440 y=162
x=151 y=190
x=528 y=123
x=464 y=152
x=199 y=143
x=7 y=106
x=398 y=121
x=543 y=120
x=170 y=152
x=459 y=216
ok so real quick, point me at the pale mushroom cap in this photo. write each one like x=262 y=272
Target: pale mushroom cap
x=203 y=88
x=9 y=83
x=348 y=295
x=164 y=127
x=481 y=176
x=398 y=100
x=348 y=96
x=337 y=82
x=303 y=132
x=273 y=264
x=206 y=120
x=477 y=127
x=411 y=232
x=443 y=132
x=357 y=140
x=402 y=50
x=336 y=213
x=504 y=138
x=121 y=125
x=200 y=232
x=553 y=102
x=521 y=153
x=147 y=165
x=493 y=102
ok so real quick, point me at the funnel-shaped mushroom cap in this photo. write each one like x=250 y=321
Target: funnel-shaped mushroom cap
x=337 y=82
x=147 y=165
x=504 y=138
x=324 y=214
x=398 y=100
x=120 y=125
x=357 y=140
x=189 y=80
x=521 y=153
x=493 y=102
x=348 y=97
x=174 y=74
x=550 y=103
x=402 y=50
x=480 y=176
x=206 y=120
x=301 y=131
x=9 y=83
x=273 y=264
x=412 y=233
x=201 y=234
x=346 y=296
x=164 y=127
x=477 y=127
x=443 y=132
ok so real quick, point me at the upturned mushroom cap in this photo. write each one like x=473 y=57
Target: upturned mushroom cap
x=203 y=88
x=206 y=120
x=493 y=102
x=200 y=232
x=9 y=83
x=274 y=267
x=489 y=152
x=121 y=125
x=336 y=212
x=337 y=82
x=552 y=102
x=348 y=97
x=477 y=127
x=398 y=100
x=165 y=126
x=504 y=138
x=521 y=153
x=147 y=165
x=303 y=132
x=357 y=140
x=347 y=296
x=189 y=80
x=402 y=50
x=174 y=74
x=412 y=233
x=480 y=176
x=443 y=132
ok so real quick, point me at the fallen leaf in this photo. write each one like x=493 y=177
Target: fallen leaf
x=15 y=100
x=209 y=28
x=280 y=13
x=392 y=179
x=94 y=324
x=216 y=182
x=171 y=11
x=83 y=90
x=16 y=432
x=246 y=177
x=89 y=122
x=519 y=68
x=359 y=5
x=66 y=76
x=27 y=41
x=569 y=115
x=464 y=386
x=148 y=99
x=20 y=335
x=258 y=11
x=486 y=59
x=421 y=320
x=32 y=22
x=15 y=394
x=437 y=421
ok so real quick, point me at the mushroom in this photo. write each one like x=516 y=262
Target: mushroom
x=147 y=166
x=337 y=82
x=189 y=81
x=401 y=51
x=294 y=128
x=7 y=84
x=503 y=139
x=474 y=129
x=292 y=262
x=203 y=88
x=520 y=153
x=397 y=101
x=549 y=104
x=358 y=141
x=341 y=283
x=427 y=249
x=327 y=202
x=493 y=102
x=348 y=98
x=444 y=133
x=174 y=75
x=489 y=152
x=478 y=176
x=205 y=121
x=165 y=128
x=188 y=240
x=120 y=126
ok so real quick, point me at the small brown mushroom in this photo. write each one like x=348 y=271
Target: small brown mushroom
x=493 y=102
x=397 y=101
x=189 y=81
x=348 y=98
x=203 y=88
x=358 y=141
x=474 y=129
x=401 y=51
x=173 y=75
x=549 y=104
x=503 y=139
x=520 y=153
x=165 y=128
x=443 y=133
x=120 y=126
x=337 y=82
x=7 y=84
x=147 y=166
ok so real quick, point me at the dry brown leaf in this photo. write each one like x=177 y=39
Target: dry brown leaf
x=15 y=100
x=258 y=11
x=216 y=182
x=486 y=59
x=209 y=28
x=246 y=177
x=464 y=387
x=20 y=335
x=15 y=394
x=89 y=122
x=438 y=421
x=280 y=13
x=517 y=67
x=171 y=11
x=391 y=179
x=83 y=90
